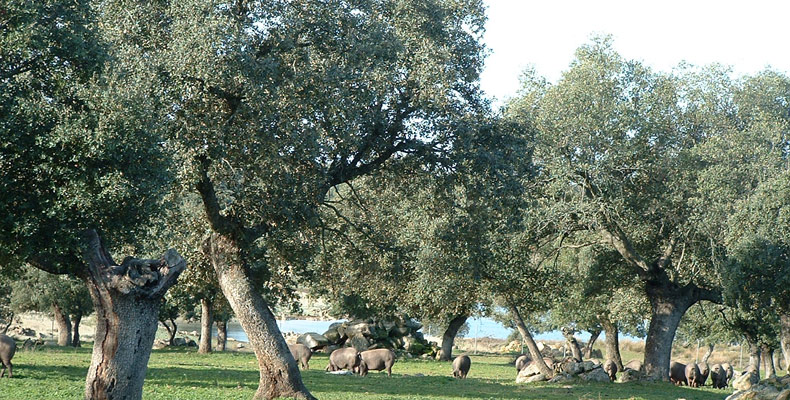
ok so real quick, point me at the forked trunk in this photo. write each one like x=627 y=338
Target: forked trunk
x=448 y=338
x=279 y=374
x=64 y=325
x=126 y=298
x=75 y=339
x=668 y=304
x=573 y=344
x=206 y=320
x=588 y=348
x=612 y=333
x=222 y=335
x=534 y=352
x=768 y=361
x=4 y=328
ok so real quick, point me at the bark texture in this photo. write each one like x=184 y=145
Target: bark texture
x=708 y=352
x=126 y=298
x=534 y=352
x=754 y=357
x=206 y=320
x=588 y=349
x=573 y=344
x=64 y=325
x=222 y=335
x=612 y=333
x=279 y=374
x=448 y=338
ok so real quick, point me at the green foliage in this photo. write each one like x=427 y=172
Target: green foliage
x=78 y=148
x=39 y=291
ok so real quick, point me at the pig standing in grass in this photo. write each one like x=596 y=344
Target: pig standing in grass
x=377 y=360
x=611 y=369
x=345 y=358
x=301 y=353
x=461 y=366
x=7 y=350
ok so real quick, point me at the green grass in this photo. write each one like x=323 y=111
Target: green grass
x=59 y=373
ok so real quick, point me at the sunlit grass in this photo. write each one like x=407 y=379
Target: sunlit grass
x=59 y=373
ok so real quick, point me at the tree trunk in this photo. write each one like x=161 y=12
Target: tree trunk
x=126 y=298
x=768 y=361
x=784 y=335
x=64 y=325
x=754 y=357
x=75 y=341
x=668 y=304
x=537 y=357
x=222 y=335
x=612 y=333
x=172 y=329
x=279 y=374
x=708 y=352
x=588 y=349
x=573 y=344
x=206 y=320
x=448 y=338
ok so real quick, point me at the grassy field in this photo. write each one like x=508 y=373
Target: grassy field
x=59 y=373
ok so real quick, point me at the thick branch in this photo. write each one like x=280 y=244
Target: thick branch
x=620 y=242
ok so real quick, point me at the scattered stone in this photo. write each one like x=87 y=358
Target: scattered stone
x=630 y=375
x=596 y=375
x=313 y=340
x=745 y=381
x=562 y=378
x=531 y=378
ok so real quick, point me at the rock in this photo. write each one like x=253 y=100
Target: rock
x=399 y=331
x=562 y=378
x=630 y=375
x=412 y=325
x=529 y=370
x=596 y=375
x=360 y=342
x=571 y=367
x=313 y=340
x=418 y=336
x=332 y=336
x=588 y=365
x=745 y=381
x=240 y=346
x=358 y=328
x=191 y=343
x=179 y=341
x=531 y=378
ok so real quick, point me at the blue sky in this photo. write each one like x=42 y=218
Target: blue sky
x=747 y=35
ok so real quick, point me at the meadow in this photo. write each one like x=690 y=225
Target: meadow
x=59 y=373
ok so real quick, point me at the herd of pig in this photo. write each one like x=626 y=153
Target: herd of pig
x=695 y=375
x=348 y=358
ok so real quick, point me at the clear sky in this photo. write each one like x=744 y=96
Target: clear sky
x=746 y=35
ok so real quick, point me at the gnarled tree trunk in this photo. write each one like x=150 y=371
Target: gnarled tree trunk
x=573 y=344
x=534 y=352
x=588 y=348
x=206 y=320
x=612 y=342
x=75 y=339
x=126 y=298
x=222 y=335
x=448 y=338
x=279 y=374
x=64 y=325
